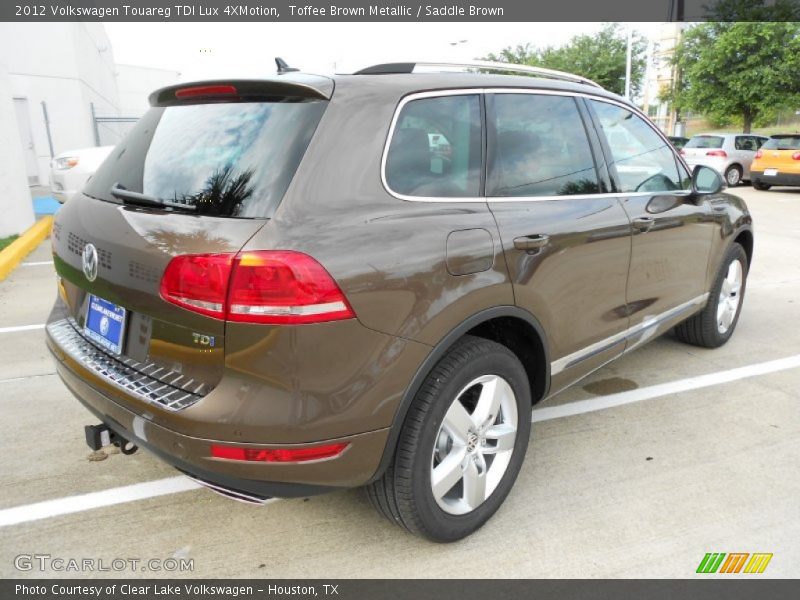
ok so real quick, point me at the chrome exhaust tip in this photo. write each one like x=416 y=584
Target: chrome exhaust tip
x=232 y=494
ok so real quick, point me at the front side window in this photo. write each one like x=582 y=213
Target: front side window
x=643 y=160
x=436 y=148
x=540 y=148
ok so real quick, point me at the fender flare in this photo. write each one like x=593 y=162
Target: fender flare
x=437 y=353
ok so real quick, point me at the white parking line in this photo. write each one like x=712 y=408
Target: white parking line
x=83 y=502
x=26 y=377
x=21 y=328
x=38 y=263
x=664 y=389
x=172 y=485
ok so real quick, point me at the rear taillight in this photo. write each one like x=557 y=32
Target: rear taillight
x=198 y=282
x=720 y=153
x=796 y=156
x=281 y=455
x=278 y=287
x=683 y=152
x=759 y=154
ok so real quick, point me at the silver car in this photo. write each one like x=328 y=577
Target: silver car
x=728 y=153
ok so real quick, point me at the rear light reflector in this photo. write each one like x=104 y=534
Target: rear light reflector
x=198 y=282
x=759 y=154
x=205 y=91
x=271 y=286
x=796 y=156
x=284 y=287
x=720 y=153
x=278 y=455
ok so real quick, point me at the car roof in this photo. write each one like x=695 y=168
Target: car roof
x=400 y=84
x=409 y=83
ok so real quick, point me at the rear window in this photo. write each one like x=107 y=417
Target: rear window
x=705 y=141
x=227 y=159
x=789 y=142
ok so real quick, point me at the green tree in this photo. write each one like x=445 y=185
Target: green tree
x=599 y=57
x=753 y=10
x=741 y=71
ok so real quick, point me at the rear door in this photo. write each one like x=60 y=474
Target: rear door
x=671 y=232
x=224 y=163
x=567 y=243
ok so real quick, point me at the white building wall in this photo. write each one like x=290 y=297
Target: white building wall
x=68 y=66
x=16 y=208
x=136 y=83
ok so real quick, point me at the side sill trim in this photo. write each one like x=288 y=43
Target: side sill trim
x=557 y=366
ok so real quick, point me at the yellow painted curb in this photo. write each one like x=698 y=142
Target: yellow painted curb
x=16 y=251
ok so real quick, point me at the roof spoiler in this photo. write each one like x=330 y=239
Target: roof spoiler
x=299 y=87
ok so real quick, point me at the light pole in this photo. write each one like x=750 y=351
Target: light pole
x=628 y=65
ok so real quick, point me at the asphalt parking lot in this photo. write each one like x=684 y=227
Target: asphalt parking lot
x=638 y=471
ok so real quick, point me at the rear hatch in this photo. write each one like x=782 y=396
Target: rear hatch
x=200 y=174
x=780 y=154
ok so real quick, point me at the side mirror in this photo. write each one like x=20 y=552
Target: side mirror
x=706 y=180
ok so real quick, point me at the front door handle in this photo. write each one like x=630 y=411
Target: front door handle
x=644 y=223
x=531 y=242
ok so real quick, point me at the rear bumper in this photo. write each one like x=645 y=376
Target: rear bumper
x=354 y=467
x=779 y=179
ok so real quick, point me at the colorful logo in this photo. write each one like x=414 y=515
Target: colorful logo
x=734 y=562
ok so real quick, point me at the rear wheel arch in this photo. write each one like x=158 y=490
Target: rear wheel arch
x=511 y=326
x=745 y=239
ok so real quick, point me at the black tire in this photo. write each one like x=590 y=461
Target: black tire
x=761 y=186
x=702 y=329
x=733 y=175
x=403 y=494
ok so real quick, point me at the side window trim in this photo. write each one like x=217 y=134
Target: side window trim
x=482 y=93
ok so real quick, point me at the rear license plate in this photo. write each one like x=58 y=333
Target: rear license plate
x=105 y=324
x=770 y=172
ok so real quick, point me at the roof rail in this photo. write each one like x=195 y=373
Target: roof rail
x=409 y=67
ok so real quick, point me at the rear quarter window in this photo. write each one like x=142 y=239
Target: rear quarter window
x=227 y=159
x=435 y=150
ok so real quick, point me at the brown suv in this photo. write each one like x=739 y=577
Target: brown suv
x=292 y=285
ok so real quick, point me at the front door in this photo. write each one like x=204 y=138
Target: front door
x=671 y=230
x=566 y=240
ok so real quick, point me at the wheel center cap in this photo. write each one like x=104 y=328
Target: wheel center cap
x=472 y=442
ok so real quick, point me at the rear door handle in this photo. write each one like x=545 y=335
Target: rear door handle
x=531 y=242
x=644 y=223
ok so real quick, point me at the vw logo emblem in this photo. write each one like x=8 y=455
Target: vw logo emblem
x=90 y=262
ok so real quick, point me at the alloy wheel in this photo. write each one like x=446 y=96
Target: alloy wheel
x=474 y=444
x=730 y=296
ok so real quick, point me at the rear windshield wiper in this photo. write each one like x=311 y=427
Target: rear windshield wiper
x=129 y=197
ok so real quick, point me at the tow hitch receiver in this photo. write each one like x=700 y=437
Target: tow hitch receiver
x=99 y=436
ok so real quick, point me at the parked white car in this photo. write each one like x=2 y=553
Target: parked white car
x=730 y=154
x=70 y=170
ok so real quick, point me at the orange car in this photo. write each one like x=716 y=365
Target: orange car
x=777 y=162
